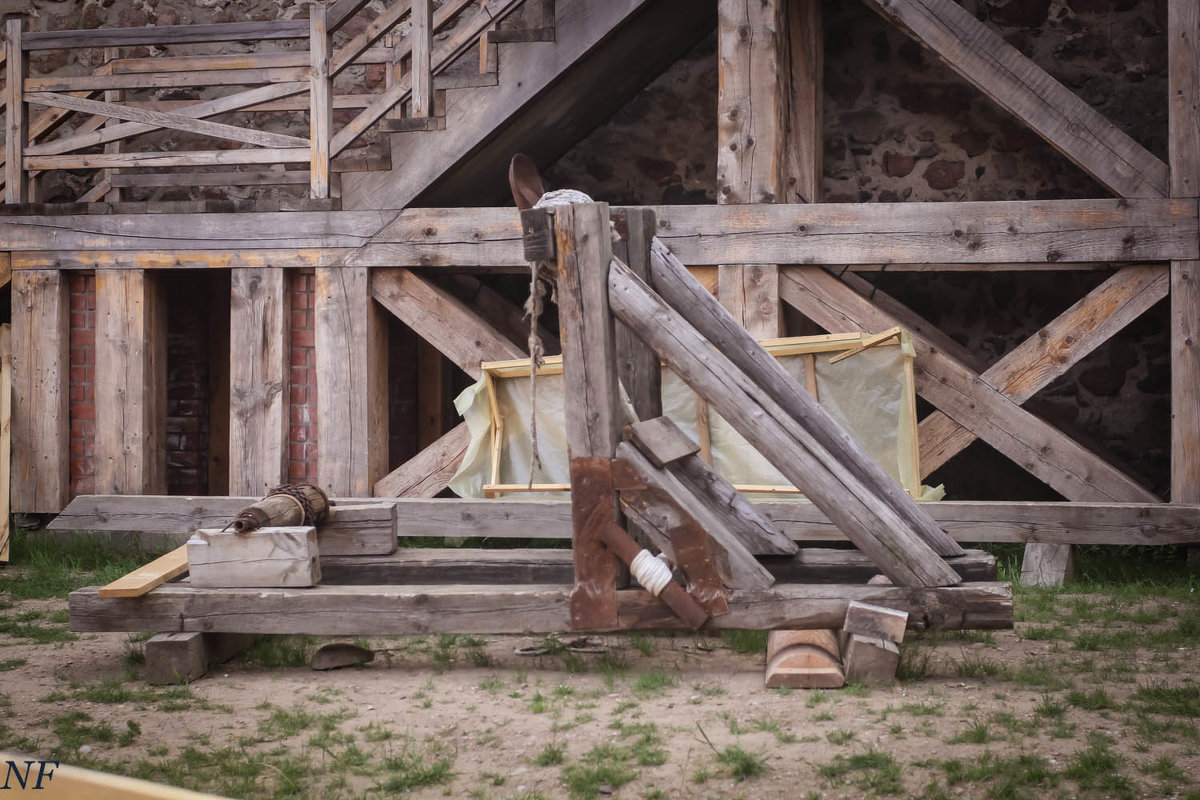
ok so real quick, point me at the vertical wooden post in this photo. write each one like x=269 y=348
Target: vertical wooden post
x=40 y=465
x=805 y=142
x=351 y=341
x=751 y=136
x=590 y=390
x=392 y=72
x=5 y=435
x=1183 y=56
x=637 y=364
x=320 y=101
x=422 y=61
x=112 y=96
x=259 y=368
x=131 y=374
x=432 y=389
x=16 y=125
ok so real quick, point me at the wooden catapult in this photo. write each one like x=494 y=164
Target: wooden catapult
x=638 y=490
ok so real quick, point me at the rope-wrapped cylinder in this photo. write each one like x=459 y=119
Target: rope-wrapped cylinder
x=284 y=506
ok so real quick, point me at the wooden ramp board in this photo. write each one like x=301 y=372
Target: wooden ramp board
x=154 y=574
x=72 y=783
x=537 y=608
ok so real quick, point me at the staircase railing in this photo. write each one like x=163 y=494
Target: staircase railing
x=117 y=102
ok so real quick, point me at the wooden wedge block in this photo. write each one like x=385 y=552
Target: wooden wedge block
x=184 y=657
x=265 y=558
x=367 y=529
x=870 y=660
x=804 y=659
x=869 y=620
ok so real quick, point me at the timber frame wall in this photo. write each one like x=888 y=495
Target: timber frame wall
x=369 y=263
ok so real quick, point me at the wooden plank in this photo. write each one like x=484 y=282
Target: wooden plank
x=1049 y=353
x=191 y=111
x=635 y=473
x=266 y=557
x=1036 y=446
x=661 y=441
x=499 y=311
x=65 y=782
x=320 y=93
x=375 y=29
x=638 y=366
x=165 y=80
x=16 y=126
x=268 y=177
x=259 y=367
x=787 y=443
x=130 y=373
x=752 y=122
x=1016 y=83
x=805 y=136
x=40 y=481
x=427 y=473
x=537 y=608
x=351 y=342
x=863 y=475
x=440 y=318
x=145 y=578
x=340 y=11
x=421 y=67
x=179 y=259
x=6 y=385
x=167 y=34
x=162 y=119
x=591 y=385
x=1183 y=59
x=194 y=158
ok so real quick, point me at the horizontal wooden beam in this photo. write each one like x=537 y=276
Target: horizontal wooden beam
x=161 y=80
x=1038 y=232
x=195 y=158
x=966 y=521
x=541 y=608
x=167 y=34
x=177 y=259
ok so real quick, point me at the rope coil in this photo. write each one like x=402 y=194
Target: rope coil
x=652 y=573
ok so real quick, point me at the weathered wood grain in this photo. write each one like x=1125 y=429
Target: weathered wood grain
x=172 y=658
x=422 y=58
x=438 y=317
x=1049 y=353
x=320 y=102
x=351 y=346
x=40 y=459
x=6 y=398
x=660 y=440
x=1017 y=84
x=427 y=473
x=194 y=158
x=537 y=608
x=1036 y=446
x=167 y=34
x=259 y=370
x=637 y=365
x=354 y=531
x=150 y=576
x=267 y=557
x=779 y=437
x=130 y=383
x=16 y=125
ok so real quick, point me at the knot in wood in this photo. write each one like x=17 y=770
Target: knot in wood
x=430 y=231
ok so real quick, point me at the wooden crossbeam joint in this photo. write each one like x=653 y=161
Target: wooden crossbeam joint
x=620 y=543
x=537 y=234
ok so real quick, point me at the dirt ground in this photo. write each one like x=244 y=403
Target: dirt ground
x=1060 y=707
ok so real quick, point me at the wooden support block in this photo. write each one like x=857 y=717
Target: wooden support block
x=661 y=441
x=267 y=558
x=877 y=621
x=173 y=658
x=1046 y=564
x=358 y=530
x=152 y=575
x=804 y=659
x=258 y=382
x=870 y=660
x=40 y=481
x=537 y=233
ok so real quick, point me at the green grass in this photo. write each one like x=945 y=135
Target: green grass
x=11 y=664
x=654 y=682
x=274 y=652
x=43 y=568
x=551 y=755
x=602 y=766
x=871 y=771
x=1095 y=700
x=413 y=767
x=746 y=641
x=1099 y=768
x=1182 y=701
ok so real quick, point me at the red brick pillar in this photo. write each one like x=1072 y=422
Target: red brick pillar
x=302 y=431
x=82 y=397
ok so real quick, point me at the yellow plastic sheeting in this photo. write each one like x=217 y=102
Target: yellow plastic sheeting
x=870 y=393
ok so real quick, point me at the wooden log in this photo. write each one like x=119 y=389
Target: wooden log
x=538 y=608
x=638 y=366
x=16 y=125
x=303 y=504
x=258 y=381
x=320 y=93
x=870 y=660
x=1049 y=353
x=149 y=577
x=591 y=387
x=6 y=398
x=1036 y=446
x=1016 y=83
x=804 y=659
x=441 y=319
x=783 y=440
x=428 y=472
x=40 y=481
x=267 y=557
x=167 y=34
x=130 y=383
x=352 y=383
x=174 y=658
x=163 y=119
x=707 y=316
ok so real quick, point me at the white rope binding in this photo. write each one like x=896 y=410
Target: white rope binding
x=652 y=573
x=562 y=197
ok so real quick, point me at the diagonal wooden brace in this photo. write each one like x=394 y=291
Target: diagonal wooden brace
x=620 y=543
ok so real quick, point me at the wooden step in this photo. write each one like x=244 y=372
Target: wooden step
x=470 y=80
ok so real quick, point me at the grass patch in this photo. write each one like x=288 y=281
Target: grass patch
x=654 y=682
x=870 y=771
x=551 y=755
x=1098 y=768
x=412 y=768
x=275 y=652
x=43 y=567
x=1095 y=700
x=603 y=765
x=746 y=641
x=1179 y=701
x=11 y=664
